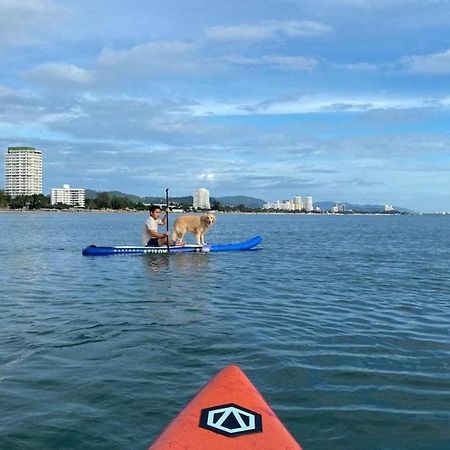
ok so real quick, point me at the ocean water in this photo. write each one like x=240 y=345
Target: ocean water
x=343 y=324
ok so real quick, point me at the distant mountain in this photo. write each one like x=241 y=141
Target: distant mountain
x=327 y=205
x=90 y=194
x=187 y=200
x=324 y=206
x=249 y=202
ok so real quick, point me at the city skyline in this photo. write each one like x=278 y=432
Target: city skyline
x=23 y=176
x=346 y=99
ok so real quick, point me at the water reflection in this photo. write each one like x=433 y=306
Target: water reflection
x=180 y=262
x=173 y=301
x=157 y=262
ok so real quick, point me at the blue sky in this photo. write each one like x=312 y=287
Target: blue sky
x=344 y=100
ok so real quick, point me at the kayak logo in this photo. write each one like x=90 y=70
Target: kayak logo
x=230 y=420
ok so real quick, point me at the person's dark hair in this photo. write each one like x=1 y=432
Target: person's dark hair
x=153 y=208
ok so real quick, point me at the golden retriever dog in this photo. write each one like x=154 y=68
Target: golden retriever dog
x=197 y=225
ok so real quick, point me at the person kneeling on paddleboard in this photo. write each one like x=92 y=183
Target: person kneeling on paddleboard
x=150 y=235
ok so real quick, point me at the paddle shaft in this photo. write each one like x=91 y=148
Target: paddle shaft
x=167 y=219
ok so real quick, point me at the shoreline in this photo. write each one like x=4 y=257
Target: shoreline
x=124 y=211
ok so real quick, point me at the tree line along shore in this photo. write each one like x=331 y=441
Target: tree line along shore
x=103 y=201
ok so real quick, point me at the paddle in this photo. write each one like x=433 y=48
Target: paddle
x=167 y=219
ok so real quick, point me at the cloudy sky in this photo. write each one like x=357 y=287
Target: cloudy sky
x=344 y=100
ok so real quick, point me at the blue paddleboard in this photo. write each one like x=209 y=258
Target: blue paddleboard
x=93 y=250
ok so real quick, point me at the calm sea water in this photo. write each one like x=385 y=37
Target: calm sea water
x=341 y=322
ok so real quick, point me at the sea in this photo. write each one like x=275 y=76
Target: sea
x=341 y=322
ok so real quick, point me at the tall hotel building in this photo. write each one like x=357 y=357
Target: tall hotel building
x=23 y=171
x=298 y=204
x=201 y=199
x=308 y=204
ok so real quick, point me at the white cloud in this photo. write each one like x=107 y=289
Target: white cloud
x=268 y=30
x=179 y=125
x=240 y=33
x=209 y=176
x=7 y=91
x=241 y=60
x=302 y=63
x=60 y=73
x=357 y=67
x=291 y=62
x=300 y=28
x=60 y=117
x=152 y=58
x=427 y=64
x=25 y=22
x=314 y=104
x=364 y=3
x=431 y=64
x=378 y=4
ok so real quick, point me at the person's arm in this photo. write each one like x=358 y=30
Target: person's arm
x=156 y=234
x=163 y=221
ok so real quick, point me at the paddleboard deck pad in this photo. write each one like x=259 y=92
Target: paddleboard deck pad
x=229 y=413
x=93 y=250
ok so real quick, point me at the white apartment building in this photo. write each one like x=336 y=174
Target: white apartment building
x=68 y=196
x=308 y=205
x=284 y=205
x=338 y=208
x=201 y=199
x=298 y=204
x=23 y=171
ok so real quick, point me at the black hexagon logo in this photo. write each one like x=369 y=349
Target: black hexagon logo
x=230 y=420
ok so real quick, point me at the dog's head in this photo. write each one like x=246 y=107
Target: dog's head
x=209 y=219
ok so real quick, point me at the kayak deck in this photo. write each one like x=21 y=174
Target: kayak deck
x=229 y=413
x=93 y=250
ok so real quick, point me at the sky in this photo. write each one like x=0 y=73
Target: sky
x=343 y=100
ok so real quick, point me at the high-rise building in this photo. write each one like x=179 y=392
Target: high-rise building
x=201 y=199
x=68 y=196
x=298 y=204
x=308 y=205
x=339 y=208
x=23 y=171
